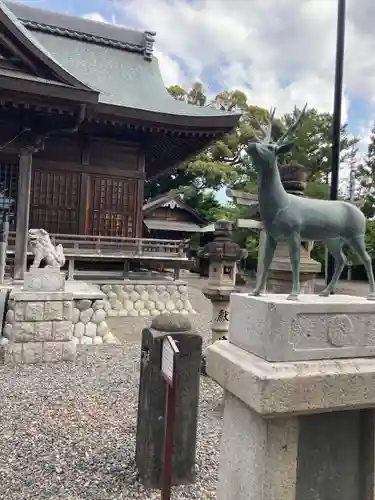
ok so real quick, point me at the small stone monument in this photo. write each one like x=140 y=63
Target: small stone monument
x=152 y=398
x=222 y=254
x=41 y=326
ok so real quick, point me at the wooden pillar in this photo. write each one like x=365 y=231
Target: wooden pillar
x=23 y=212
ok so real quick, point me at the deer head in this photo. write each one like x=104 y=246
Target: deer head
x=263 y=151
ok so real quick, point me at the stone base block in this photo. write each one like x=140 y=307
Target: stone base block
x=313 y=327
x=49 y=280
x=286 y=388
x=295 y=430
x=39 y=352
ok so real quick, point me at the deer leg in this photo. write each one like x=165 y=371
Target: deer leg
x=358 y=246
x=269 y=251
x=295 y=257
x=334 y=247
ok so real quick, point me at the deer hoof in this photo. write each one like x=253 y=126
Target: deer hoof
x=371 y=296
x=293 y=296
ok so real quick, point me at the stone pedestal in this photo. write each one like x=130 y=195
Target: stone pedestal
x=39 y=320
x=280 y=272
x=299 y=399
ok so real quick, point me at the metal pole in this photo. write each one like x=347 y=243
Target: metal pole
x=336 y=128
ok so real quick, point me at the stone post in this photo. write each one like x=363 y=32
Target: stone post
x=152 y=396
x=293 y=177
x=299 y=412
x=223 y=255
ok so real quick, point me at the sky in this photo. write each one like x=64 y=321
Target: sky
x=280 y=52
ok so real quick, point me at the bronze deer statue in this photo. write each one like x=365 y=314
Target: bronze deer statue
x=291 y=218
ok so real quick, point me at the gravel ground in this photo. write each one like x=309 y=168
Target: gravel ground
x=68 y=431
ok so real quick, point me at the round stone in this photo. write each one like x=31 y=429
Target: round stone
x=98 y=316
x=109 y=339
x=161 y=288
x=184 y=296
x=139 y=305
x=86 y=340
x=106 y=288
x=125 y=296
x=75 y=315
x=165 y=312
x=117 y=306
x=174 y=323
x=129 y=288
x=185 y=313
x=139 y=288
x=149 y=304
x=133 y=313
x=112 y=313
x=113 y=300
x=160 y=306
x=151 y=288
x=75 y=340
x=123 y=313
x=144 y=312
x=187 y=305
x=179 y=305
x=111 y=295
x=171 y=288
x=164 y=297
x=7 y=330
x=90 y=330
x=134 y=296
x=97 y=341
x=98 y=304
x=3 y=341
x=86 y=315
x=182 y=289
x=175 y=296
x=83 y=304
x=128 y=305
x=9 y=318
x=155 y=312
x=107 y=306
x=170 y=305
x=118 y=289
x=102 y=329
x=144 y=296
x=154 y=296
x=79 y=330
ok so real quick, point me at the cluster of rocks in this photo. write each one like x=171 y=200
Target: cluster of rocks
x=89 y=325
x=147 y=299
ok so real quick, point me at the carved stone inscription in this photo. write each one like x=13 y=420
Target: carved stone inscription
x=316 y=331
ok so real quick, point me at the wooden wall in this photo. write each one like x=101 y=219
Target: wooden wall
x=84 y=185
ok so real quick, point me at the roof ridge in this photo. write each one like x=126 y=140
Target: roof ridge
x=82 y=29
x=146 y=48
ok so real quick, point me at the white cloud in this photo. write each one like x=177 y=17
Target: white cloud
x=95 y=16
x=280 y=51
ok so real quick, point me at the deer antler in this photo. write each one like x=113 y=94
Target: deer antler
x=293 y=127
x=271 y=115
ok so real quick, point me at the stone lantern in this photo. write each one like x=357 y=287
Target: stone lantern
x=223 y=255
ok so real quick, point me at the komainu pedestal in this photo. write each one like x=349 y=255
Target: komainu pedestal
x=299 y=399
x=41 y=329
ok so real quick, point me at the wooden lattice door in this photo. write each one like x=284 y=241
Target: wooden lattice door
x=55 y=198
x=112 y=206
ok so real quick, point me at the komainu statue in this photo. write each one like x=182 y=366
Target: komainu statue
x=293 y=218
x=44 y=250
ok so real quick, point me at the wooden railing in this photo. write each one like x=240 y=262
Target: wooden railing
x=77 y=245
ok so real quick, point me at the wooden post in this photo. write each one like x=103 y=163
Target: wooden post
x=23 y=212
